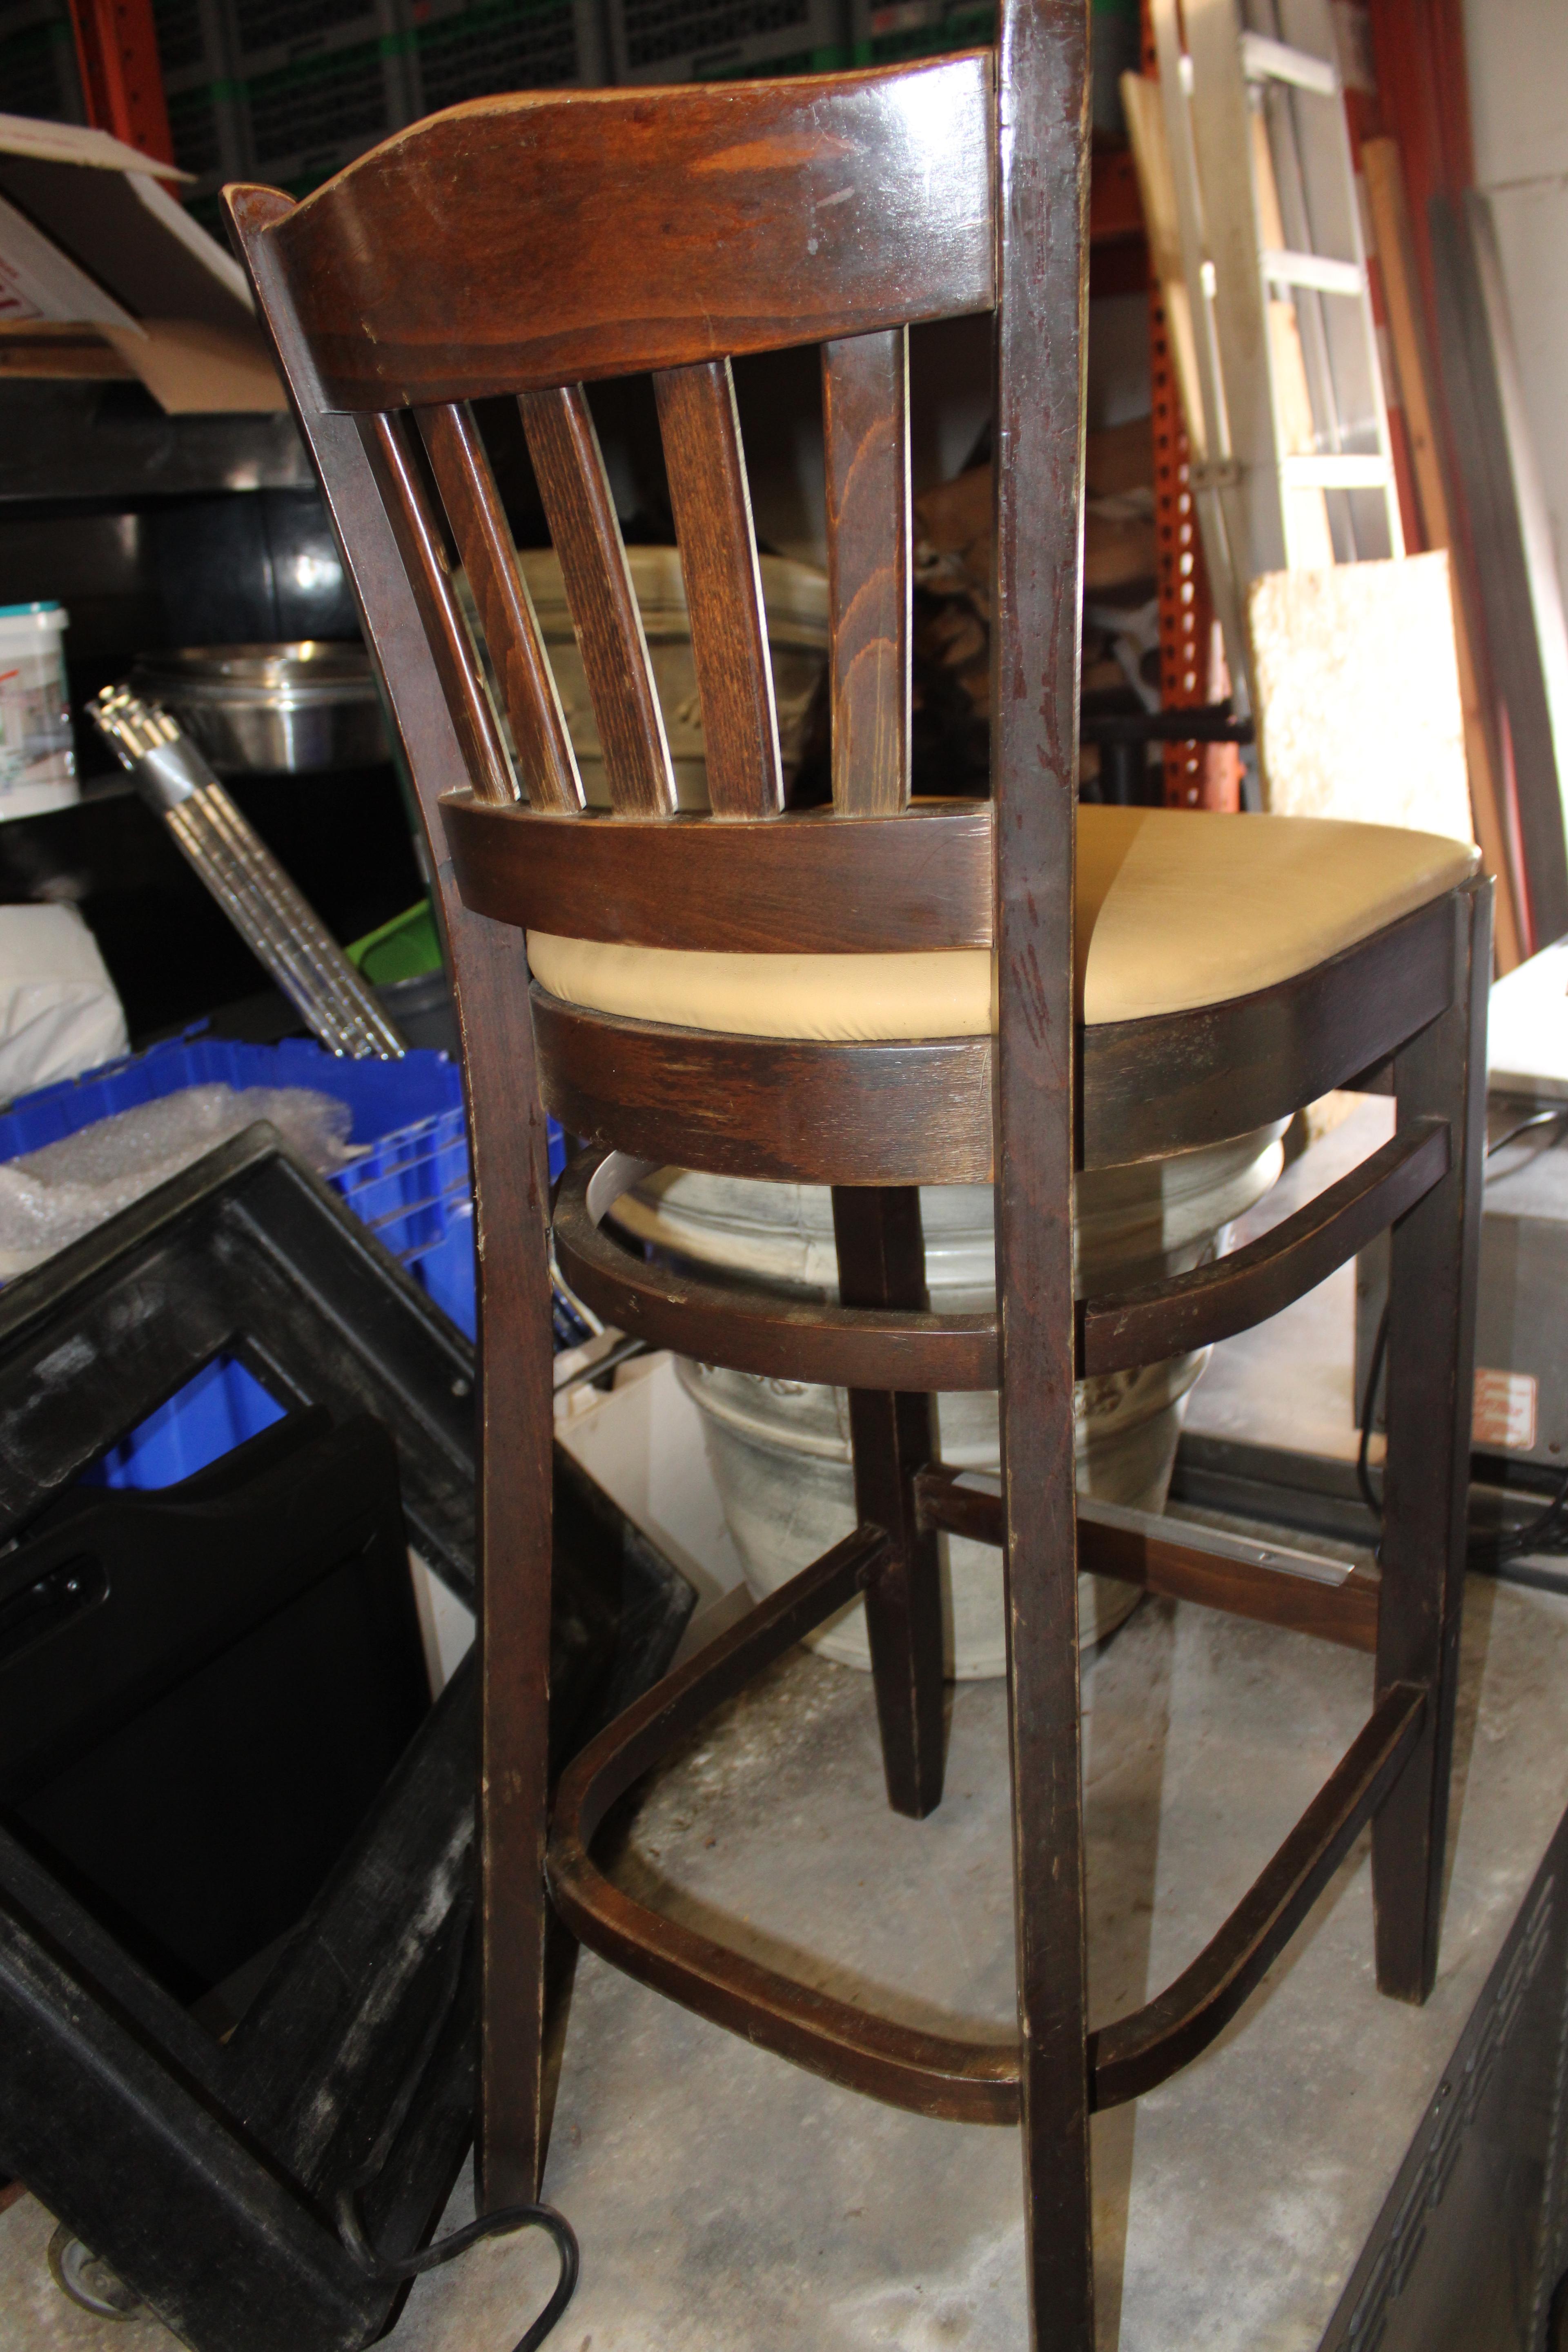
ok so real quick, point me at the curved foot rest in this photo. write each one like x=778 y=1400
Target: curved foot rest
x=929 y=2073
x=756 y=1331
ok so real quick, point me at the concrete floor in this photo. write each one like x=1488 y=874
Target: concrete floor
x=727 y=2202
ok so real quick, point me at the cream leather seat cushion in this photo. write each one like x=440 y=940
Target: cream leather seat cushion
x=1175 y=909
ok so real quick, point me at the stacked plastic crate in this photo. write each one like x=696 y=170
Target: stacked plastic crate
x=470 y=49
x=38 y=61
x=715 y=40
x=320 y=81
x=203 y=98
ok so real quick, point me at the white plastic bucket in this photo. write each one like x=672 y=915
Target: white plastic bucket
x=37 y=764
x=780 y=1449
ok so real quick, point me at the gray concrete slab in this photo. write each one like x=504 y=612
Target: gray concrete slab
x=727 y=2202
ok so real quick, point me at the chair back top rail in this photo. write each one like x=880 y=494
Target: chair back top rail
x=525 y=244
x=521 y=243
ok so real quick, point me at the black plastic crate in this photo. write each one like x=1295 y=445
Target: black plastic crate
x=687 y=40
x=37 y=62
x=312 y=117
x=500 y=44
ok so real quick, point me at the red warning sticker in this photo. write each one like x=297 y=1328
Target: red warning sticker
x=1505 y=1409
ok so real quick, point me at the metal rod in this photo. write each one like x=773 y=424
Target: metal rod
x=276 y=923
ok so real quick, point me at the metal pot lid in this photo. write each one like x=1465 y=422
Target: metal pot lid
x=274 y=677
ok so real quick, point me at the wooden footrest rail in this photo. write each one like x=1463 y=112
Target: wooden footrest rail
x=1268 y=1581
x=933 y=2074
x=800 y=1339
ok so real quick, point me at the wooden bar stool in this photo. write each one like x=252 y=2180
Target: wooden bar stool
x=873 y=997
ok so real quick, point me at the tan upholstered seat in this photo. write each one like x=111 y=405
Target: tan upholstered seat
x=1175 y=909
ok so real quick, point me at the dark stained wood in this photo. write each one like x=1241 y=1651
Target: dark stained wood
x=565 y=446
x=508 y=1140
x=606 y=231
x=881 y=1264
x=865 y=421
x=486 y=766
x=1042 y=219
x=1249 y=1285
x=906 y=1114
x=463 y=476
x=1184 y=1078
x=919 y=1112
x=774 y=1335
x=707 y=472
x=812 y=884
x=1425 y=1479
x=929 y=2073
x=1138 y=2051
x=1346 y=1613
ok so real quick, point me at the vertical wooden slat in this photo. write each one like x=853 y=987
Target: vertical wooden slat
x=463 y=476
x=881 y=1262
x=565 y=446
x=1426 y=1475
x=866 y=416
x=712 y=508
x=1043 y=201
x=507 y=1140
x=451 y=650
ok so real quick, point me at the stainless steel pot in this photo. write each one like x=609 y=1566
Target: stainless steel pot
x=300 y=708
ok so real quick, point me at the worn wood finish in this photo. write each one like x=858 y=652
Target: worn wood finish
x=1249 y=1285
x=606 y=231
x=881 y=1265
x=1344 y=1613
x=485 y=763
x=707 y=473
x=507 y=1142
x=866 y=426
x=464 y=477
x=1138 y=2051
x=569 y=467
x=920 y=1112
x=931 y=2075
x=763 y=1106
x=774 y=1336
x=813 y=884
x=1042 y=211
x=1425 y=1478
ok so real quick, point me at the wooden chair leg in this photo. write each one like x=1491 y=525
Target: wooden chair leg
x=508 y=1135
x=1431 y=1344
x=881 y=1262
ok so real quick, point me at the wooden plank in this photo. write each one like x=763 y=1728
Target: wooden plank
x=602 y=234
x=866 y=416
x=570 y=469
x=1042 y=202
x=707 y=473
x=1527 y=640
x=881 y=1265
x=1413 y=367
x=462 y=469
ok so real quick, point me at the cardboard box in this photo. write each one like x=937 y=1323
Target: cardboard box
x=91 y=237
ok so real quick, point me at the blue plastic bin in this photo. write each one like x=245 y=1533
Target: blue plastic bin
x=412 y=1188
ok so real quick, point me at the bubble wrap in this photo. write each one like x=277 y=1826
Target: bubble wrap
x=51 y=1197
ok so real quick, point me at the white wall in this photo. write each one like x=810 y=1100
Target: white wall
x=1518 y=57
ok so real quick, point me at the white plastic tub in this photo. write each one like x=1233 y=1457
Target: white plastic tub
x=37 y=764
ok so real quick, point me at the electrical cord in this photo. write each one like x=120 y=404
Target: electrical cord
x=501 y=2223
x=1547 y=1531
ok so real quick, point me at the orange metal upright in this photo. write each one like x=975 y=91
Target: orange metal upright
x=1192 y=658
x=122 y=80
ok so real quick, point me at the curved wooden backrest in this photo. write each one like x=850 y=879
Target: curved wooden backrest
x=529 y=244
